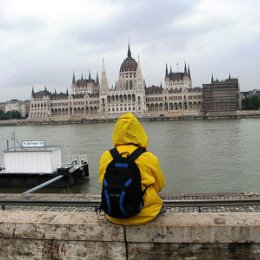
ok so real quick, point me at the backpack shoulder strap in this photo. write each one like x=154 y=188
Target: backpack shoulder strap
x=136 y=153
x=133 y=156
x=114 y=153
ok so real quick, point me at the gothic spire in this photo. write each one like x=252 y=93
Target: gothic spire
x=73 y=78
x=32 y=92
x=212 y=79
x=89 y=75
x=129 y=51
x=103 y=81
x=189 y=70
x=97 y=79
x=185 y=68
x=166 y=70
x=139 y=71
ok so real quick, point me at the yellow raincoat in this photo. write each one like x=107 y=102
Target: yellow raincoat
x=128 y=134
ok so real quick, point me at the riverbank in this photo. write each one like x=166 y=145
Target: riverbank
x=170 y=116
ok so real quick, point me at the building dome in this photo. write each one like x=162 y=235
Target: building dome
x=129 y=64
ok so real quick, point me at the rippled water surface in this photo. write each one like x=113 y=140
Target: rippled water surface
x=196 y=156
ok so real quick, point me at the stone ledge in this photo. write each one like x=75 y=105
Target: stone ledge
x=199 y=228
x=76 y=226
x=84 y=235
x=167 y=228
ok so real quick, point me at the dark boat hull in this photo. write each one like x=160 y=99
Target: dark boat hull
x=79 y=175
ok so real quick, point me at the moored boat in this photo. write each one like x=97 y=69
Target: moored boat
x=32 y=163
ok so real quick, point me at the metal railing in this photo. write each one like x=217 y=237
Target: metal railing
x=1 y=164
x=74 y=160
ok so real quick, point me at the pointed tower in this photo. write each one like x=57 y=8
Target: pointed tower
x=189 y=77
x=32 y=95
x=138 y=66
x=103 y=91
x=139 y=76
x=129 y=52
x=73 y=79
x=185 y=69
x=166 y=71
x=104 y=82
x=140 y=87
x=97 y=79
x=212 y=79
x=73 y=83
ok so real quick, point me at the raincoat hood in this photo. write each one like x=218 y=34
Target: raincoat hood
x=128 y=130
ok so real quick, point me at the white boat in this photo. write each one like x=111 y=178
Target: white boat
x=33 y=163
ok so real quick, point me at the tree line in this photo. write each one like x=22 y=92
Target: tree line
x=14 y=114
x=251 y=102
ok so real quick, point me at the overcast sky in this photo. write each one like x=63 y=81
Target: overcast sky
x=43 y=41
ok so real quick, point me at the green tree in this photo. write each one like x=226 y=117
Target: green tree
x=14 y=114
x=255 y=102
x=251 y=102
x=2 y=115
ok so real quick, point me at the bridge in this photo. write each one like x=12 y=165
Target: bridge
x=195 y=226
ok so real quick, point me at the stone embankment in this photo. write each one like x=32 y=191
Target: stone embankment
x=165 y=116
x=73 y=234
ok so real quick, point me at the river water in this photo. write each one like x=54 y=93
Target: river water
x=196 y=156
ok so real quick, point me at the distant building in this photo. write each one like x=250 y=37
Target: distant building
x=16 y=105
x=128 y=94
x=43 y=103
x=94 y=98
x=220 y=96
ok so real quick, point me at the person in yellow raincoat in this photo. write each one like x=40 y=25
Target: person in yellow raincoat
x=127 y=136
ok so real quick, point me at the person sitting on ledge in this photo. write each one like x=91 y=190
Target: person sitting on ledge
x=128 y=137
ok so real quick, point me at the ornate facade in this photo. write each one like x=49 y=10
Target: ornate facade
x=94 y=98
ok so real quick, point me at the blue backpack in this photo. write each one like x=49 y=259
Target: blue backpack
x=122 y=195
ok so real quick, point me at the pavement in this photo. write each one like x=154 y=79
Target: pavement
x=242 y=197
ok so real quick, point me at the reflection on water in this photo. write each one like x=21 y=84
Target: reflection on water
x=196 y=156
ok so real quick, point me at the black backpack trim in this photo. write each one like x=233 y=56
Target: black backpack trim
x=133 y=156
x=123 y=197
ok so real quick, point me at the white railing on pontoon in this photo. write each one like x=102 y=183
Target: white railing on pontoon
x=76 y=160
x=1 y=164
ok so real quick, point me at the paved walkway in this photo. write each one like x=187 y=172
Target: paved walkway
x=190 y=197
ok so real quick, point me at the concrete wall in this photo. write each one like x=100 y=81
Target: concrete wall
x=84 y=235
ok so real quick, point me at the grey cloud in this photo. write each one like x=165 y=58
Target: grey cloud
x=145 y=21
x=47 y=55
x=24 y=25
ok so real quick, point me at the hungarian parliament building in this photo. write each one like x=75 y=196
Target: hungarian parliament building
x=93 y=98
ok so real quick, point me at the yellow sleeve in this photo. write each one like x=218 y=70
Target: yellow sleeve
x=105 y=159
x=157 y=174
